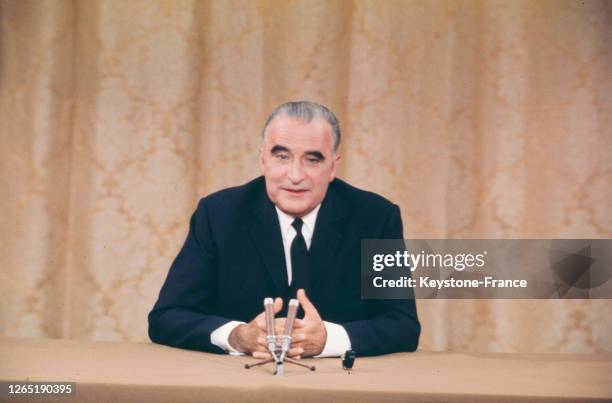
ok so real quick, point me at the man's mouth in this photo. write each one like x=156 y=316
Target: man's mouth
x=295 y=191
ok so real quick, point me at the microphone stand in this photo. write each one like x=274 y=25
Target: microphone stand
x=279 y=355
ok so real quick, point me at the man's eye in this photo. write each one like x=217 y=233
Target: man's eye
x=282 y=157
x=313 y=160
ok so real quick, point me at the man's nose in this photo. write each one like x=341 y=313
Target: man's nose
x=296 y=173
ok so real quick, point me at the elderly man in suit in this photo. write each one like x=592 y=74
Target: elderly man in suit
x=295 y=231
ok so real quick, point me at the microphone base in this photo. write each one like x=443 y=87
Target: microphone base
x=296 y=362
x=257 y=364
x=280 y=368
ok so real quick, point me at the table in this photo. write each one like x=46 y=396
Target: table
x=146 y=372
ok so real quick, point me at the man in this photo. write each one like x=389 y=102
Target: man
x=296 y=231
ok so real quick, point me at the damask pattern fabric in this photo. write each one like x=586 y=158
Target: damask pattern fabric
x=481 y=119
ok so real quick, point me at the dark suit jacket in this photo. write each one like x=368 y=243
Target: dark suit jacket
x=233 y=258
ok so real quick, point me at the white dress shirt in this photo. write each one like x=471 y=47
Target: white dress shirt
x=337 y=339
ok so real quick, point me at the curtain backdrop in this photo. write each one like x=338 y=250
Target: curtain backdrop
x=487 y=119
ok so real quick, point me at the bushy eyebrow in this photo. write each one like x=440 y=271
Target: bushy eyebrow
x=278 y=148
x=316 y=154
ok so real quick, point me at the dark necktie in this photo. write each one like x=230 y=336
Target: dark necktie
x=299 y=258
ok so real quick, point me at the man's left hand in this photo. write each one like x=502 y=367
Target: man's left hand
x=309 y=334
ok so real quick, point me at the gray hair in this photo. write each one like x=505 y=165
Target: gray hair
x=306 y=111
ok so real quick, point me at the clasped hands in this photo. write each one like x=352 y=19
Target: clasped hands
x=307 y=338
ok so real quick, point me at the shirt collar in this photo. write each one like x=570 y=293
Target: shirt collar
x=309 y=219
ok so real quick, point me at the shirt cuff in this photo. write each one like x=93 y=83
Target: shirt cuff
x=220 y=337
x=337 y=341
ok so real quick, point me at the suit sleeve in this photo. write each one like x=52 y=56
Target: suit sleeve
x=393 y=325
x=182 y=315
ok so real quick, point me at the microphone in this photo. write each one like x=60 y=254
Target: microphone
x=348 y=359
x=286 y=338
x=271 y=339
x=278 y=357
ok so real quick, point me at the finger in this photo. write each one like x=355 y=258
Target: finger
x=299 y=323
x=261 y=325
x=309 y=308
x=296 y=351
x=261 y=355
x=262 y=347
x=278 y=304
x=261 y=316
x=262 y=341
x=260 y=321
x=298 y=337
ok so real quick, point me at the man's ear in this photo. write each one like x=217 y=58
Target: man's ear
x=335 y=162
x=261 y=159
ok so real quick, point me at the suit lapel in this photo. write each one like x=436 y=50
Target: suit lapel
x=327 y=237
x=265 y=231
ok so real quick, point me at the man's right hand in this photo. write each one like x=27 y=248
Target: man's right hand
x=250 y=338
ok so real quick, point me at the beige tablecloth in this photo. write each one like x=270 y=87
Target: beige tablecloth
x=144 y=372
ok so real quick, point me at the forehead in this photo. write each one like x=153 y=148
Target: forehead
x=297 y=134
